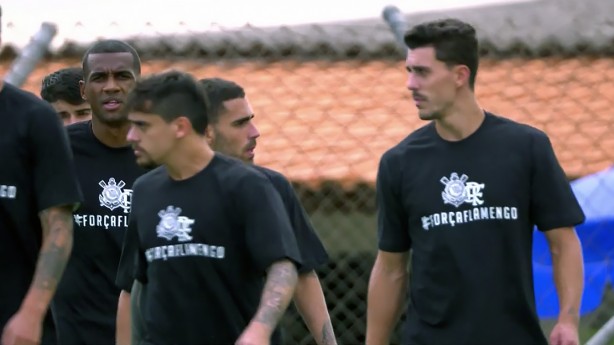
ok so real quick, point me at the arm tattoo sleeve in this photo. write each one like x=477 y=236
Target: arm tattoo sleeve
x=55 y=250
x=277 y=294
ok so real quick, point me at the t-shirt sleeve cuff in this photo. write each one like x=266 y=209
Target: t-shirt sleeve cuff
x=312 y=265
x=393 y=247
x=561 y=223
x=73 y=203
x=266 y=264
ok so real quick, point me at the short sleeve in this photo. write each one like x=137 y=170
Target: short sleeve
x=132 y=263
x=392 y=218
x=55 y=178
x=553 y=204
x=128 y=262
x=312 y=251
x=268 y=232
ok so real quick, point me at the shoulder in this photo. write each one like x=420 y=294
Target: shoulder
x=417 y=139
x=25 y=104
x=279 y=181
x=514 y=135
x=147 y=179
x=274 y=176
x=235 y=176
x=230 y=168
x=79 y=130
x=516 y=129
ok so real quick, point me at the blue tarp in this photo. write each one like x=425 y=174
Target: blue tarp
x=595 y=193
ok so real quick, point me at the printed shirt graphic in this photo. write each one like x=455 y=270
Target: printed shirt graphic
x=114 y=203
x=177 y=229
x=458 y=191
x=112 y=195
x=172 y=225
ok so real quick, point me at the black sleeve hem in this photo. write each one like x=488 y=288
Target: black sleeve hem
x=124 y=287
x=561 y=223
x=312 y=265
x=392 y=249
x=297 y=263
x=74 y=202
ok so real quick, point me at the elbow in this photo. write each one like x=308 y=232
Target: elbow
x=393 y=271
x=567 y=246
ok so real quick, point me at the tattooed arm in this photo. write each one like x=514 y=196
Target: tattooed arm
x=310 y=303
x=26 y=324
x=278 y=291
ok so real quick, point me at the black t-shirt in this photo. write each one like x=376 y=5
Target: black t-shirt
x=467 y=211
x=203 y=247
x=37 y=173
x=313 y=253
x=85 y=305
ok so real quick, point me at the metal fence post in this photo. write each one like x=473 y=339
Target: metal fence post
x=25 y=63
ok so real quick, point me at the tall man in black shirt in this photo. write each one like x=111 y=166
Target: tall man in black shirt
x=85 y=306
x=464 y=193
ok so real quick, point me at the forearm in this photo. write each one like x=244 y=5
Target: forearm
x=122 y=332
x=385 y=301
x=310 y=303
x=278 y=292
x=569 y=279
x=53 y=256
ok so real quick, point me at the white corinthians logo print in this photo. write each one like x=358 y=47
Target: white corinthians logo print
x=113 y=196
x=172 y=225
x=458 y=191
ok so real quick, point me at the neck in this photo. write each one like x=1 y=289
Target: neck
x=191 y=156
x=112 y=136
x=462 y=120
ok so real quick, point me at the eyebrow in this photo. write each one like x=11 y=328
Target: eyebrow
x=244 y=118
x=417 y=68
x=123 y=71
x=138 y=122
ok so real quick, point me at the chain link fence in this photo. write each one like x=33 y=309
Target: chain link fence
x=330 y=99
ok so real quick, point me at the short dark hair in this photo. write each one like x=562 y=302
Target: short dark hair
x=63 y=85
x=454 y=41
x=218 y=91
x=171 y=95
x=109 y=47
